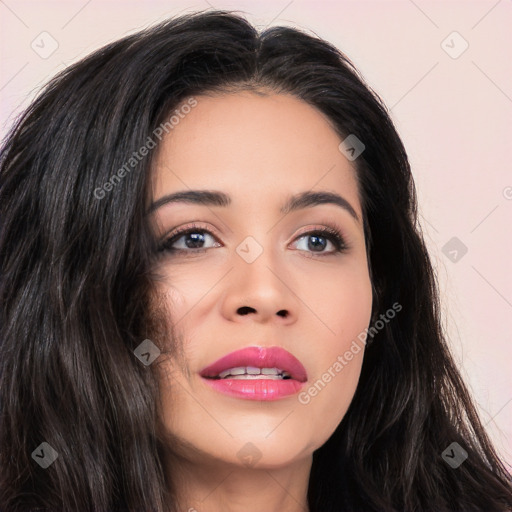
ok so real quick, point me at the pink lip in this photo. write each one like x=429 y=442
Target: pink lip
x=258 y=389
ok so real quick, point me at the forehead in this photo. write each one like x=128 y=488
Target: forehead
x=252 y=146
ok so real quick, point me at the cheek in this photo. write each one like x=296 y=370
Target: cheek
x=341 y=299
x=351 y=309
x=181 y=287
x=338 y=360
x=343 y=303
x=329 y=394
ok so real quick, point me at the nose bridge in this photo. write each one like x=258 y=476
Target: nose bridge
x=258 y=245
x=256 y=265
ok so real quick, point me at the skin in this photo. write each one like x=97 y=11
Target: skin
x=259 y=149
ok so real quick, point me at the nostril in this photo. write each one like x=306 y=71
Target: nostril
x=245 y=309
x=283 y=313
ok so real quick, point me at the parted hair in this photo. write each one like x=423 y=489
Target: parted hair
x=76 y=274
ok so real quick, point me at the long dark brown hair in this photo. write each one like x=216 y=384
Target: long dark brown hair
x=76 y=258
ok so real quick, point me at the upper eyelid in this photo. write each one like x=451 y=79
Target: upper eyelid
x=183 y=230
x=180 y=230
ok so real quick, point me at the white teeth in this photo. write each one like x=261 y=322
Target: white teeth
x=237 y=371
x=256 y=377
x=251 y=372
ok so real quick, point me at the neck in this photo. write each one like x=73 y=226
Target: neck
x=224 y=487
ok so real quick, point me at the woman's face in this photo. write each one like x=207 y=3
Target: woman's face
x=248 y=274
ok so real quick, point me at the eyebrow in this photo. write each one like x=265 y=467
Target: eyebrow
x=295 y=202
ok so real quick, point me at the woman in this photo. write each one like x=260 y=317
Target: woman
x=215 y=294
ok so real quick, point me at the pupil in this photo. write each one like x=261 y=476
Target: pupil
x=316 y=244
x=197 y=238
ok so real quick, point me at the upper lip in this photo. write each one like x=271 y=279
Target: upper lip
x=259 y=357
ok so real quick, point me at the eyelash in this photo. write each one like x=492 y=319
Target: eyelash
x=330 y=232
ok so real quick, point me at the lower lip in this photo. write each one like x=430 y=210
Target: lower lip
x=257 y=389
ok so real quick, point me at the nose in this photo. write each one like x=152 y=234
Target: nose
x=261 y=291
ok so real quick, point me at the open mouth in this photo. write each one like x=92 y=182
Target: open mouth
x=256 y=373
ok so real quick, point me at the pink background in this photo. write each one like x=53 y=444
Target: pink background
x=453 y=114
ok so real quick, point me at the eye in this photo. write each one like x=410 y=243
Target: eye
x=191 y=239
x=194 y=239
x=317 y=240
